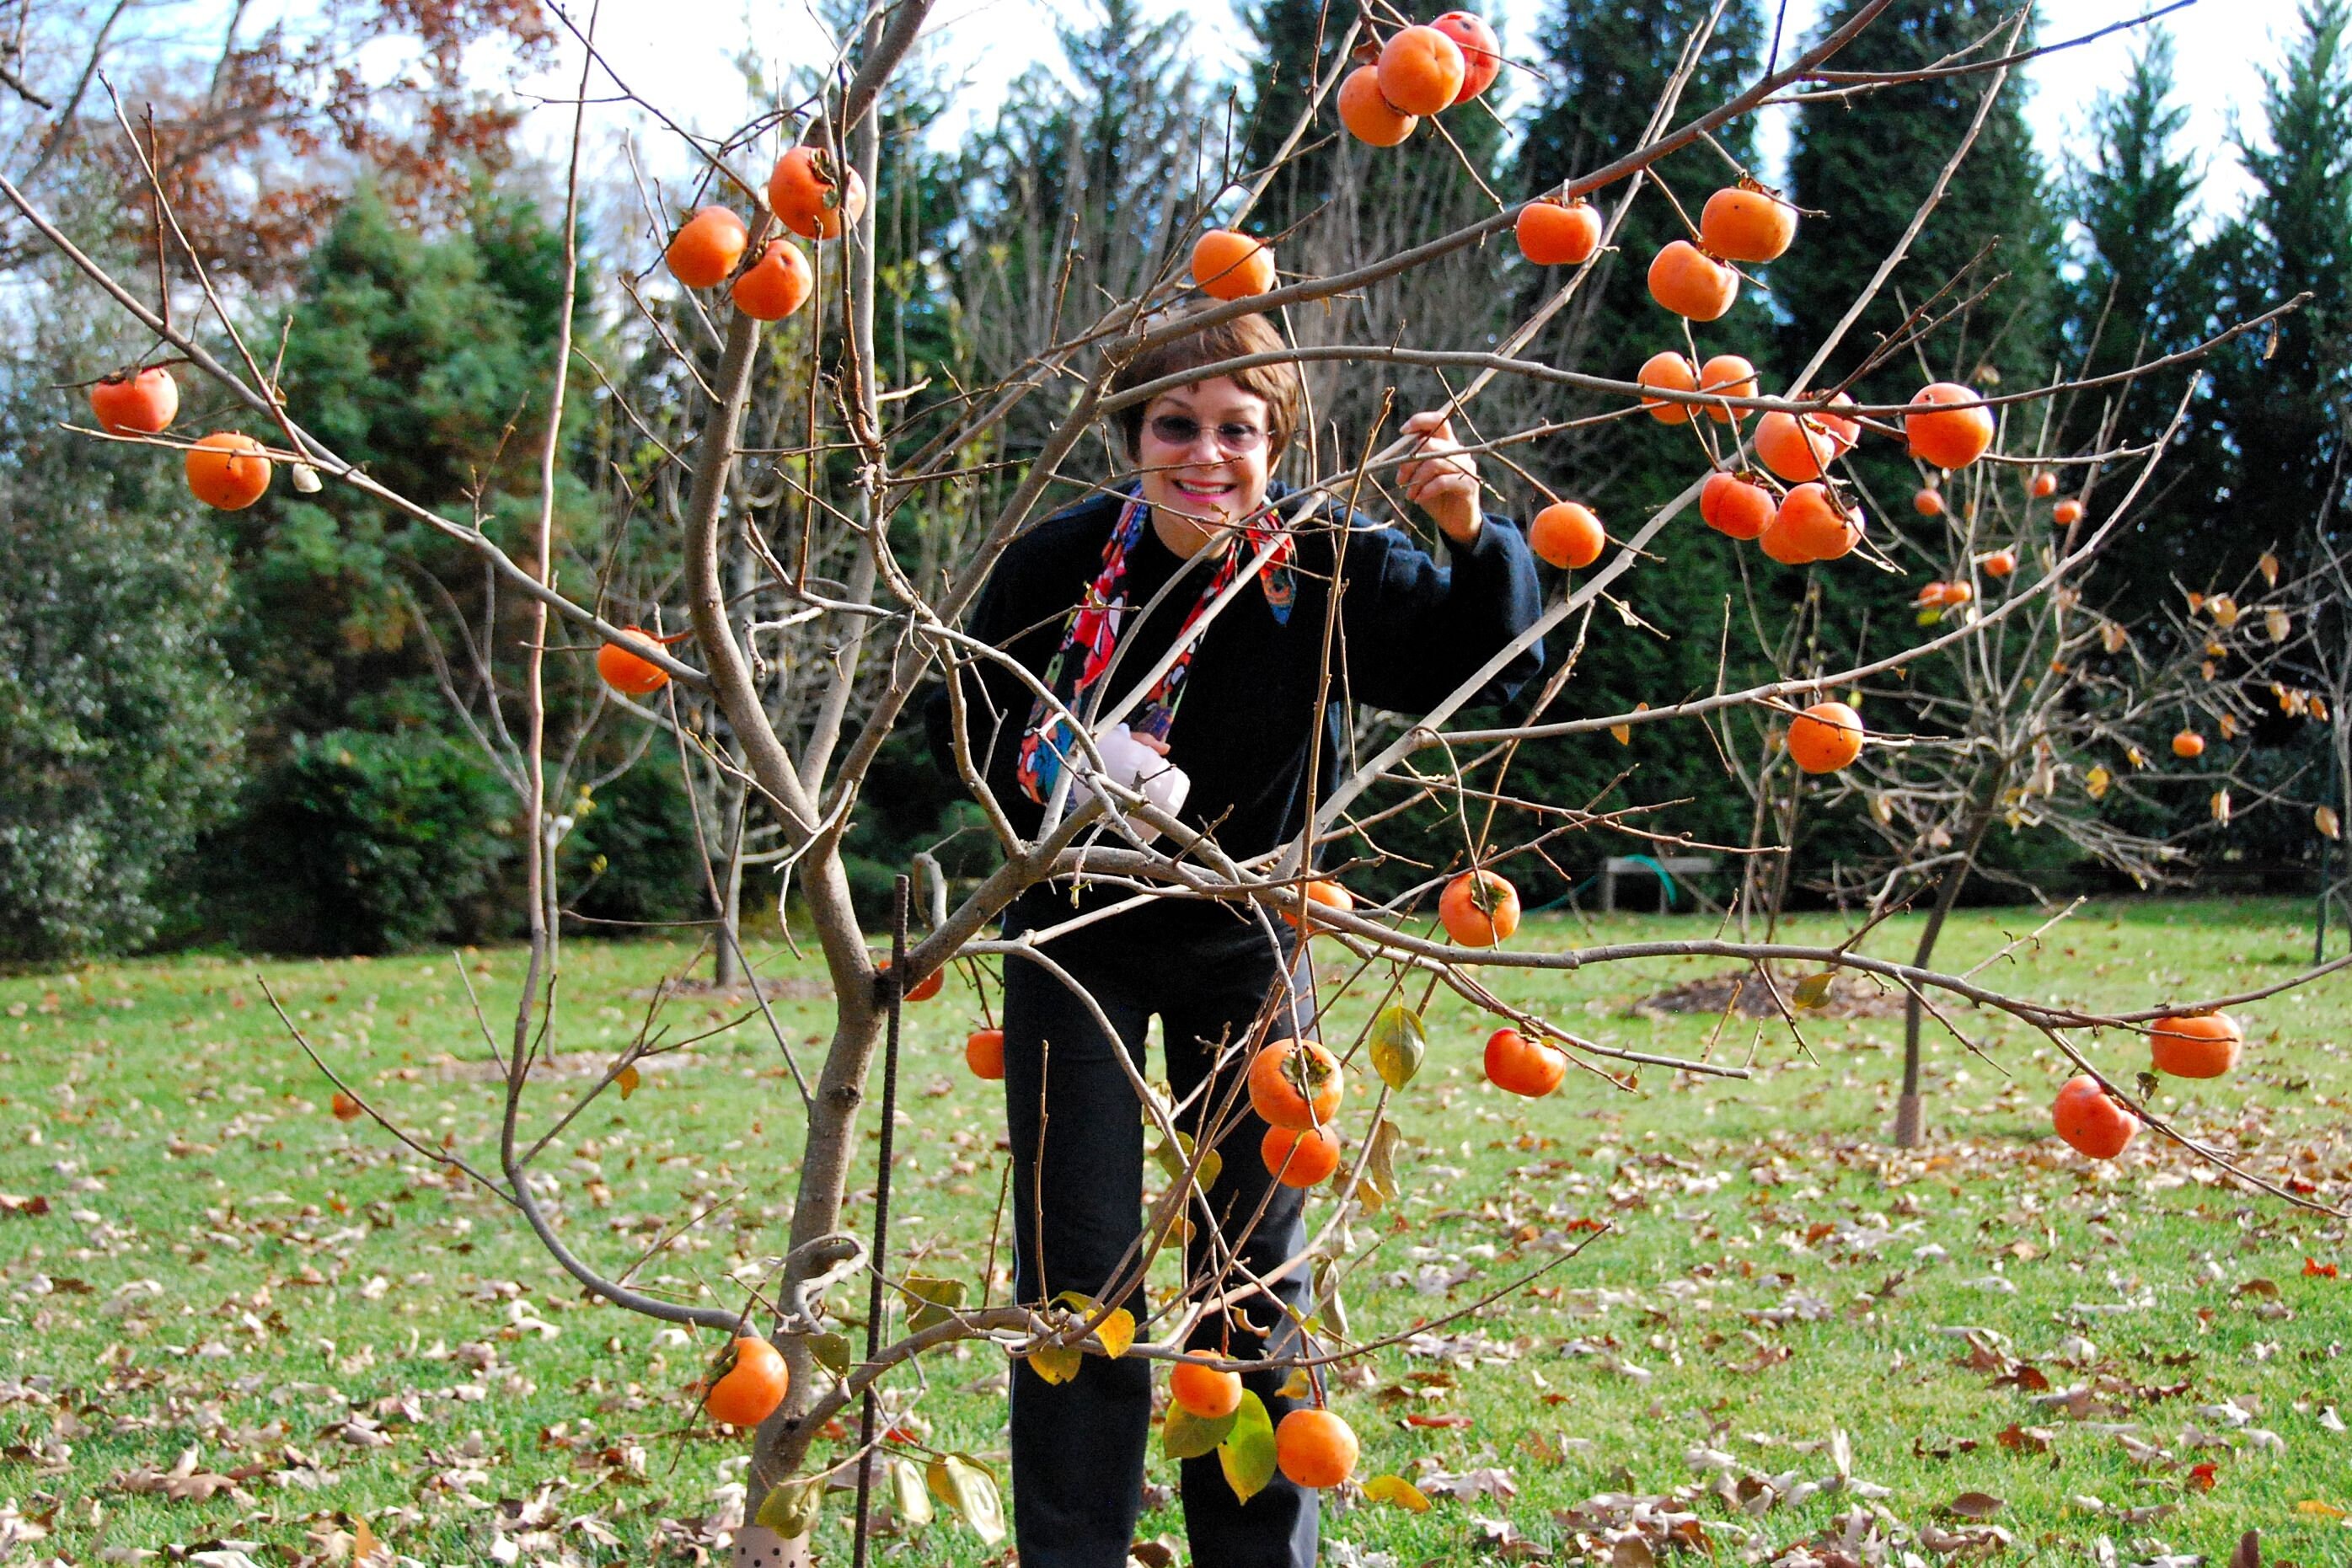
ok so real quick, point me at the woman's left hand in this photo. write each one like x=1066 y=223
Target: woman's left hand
x=1441 y=479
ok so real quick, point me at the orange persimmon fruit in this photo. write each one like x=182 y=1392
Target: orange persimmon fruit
x=227 y=470
x=1732 y=505
x=1825 y=737
x=1421 y=69
x=1231 y=265
x=139 y=405
x=1567 y=535
x=1479 y=908
x=1553 y=233
x=1296 y=1084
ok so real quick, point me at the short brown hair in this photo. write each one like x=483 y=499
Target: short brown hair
x=1278 y=384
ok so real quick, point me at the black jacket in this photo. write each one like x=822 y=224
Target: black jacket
x=1408 y=633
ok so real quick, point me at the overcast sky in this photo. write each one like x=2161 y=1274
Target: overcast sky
x=675 y=53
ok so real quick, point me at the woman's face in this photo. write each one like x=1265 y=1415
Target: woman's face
x=1206 y=454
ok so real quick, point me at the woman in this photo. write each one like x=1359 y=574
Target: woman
x=1241 y=714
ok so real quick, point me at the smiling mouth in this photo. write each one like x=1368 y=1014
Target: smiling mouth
x=1205 y=492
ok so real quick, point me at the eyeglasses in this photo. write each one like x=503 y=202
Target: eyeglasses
x=1175 y=430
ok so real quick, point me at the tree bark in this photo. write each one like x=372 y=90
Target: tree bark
x=1909 y=1108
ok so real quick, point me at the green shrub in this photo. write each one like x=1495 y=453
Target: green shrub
x=361 y=842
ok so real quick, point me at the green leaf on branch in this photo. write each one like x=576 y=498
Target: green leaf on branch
x=1184 y=1436
x=1174 y=1157
x=830 y=1350
x=963 y=1484
x=1397 y=1044
x=1247 y=1455
x=936 y=1300
x=790 y=1507
x=1057 y=1364
x=1813 y=990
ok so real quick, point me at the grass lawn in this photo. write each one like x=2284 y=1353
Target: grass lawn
x=237 y=1326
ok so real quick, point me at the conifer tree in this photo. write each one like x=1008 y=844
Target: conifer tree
x=2142 y=292
x=1869 y=171
x=2282 y=404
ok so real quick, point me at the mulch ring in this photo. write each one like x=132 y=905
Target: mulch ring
x=1743 y=991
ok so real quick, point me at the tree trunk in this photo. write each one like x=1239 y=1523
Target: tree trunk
x=1909 y=1131
x=727 y=967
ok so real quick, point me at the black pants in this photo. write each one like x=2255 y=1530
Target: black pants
x=1078 y=1447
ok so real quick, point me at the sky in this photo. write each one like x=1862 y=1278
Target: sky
x=677 y=54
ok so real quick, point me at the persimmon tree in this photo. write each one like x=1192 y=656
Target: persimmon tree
x=797 y=501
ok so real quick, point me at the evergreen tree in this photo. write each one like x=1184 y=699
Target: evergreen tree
x=1604 y=69
x=119 y=717
x=2141 y=293
x=2133 y=203
x=1869 y=164
x=1079 y=195
x=424 y=358
x=2282 y=405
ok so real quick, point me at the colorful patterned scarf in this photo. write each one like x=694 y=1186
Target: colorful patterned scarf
x=1090 y=637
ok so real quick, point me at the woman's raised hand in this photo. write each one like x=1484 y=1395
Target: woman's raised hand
x=1441 y=479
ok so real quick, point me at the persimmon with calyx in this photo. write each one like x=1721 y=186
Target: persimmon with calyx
x=1326 y=892
x=753 y=1384
x=343 y=1107
x=631 y=675
x=1938 y=595
x=1812 y=524
x=1422 y=70
x=1522 y=1066
x=983 y=1052
x=1732 y=505
x=776 y=285
x=810 y=197
x=1369 y=117
x=1691 y=284
x=2090 y=1120
x=1315 y=1448
x=707 y=248
x=1929 y=502
x=1825 y=737
x=1727 y=375
x=139 y=405
x=2000 y=563
x=2195 y=1045
x=1479 y=908
x=1553 y=233
x=1230 y=265
x=1482 y=52
x=1299 y=1157
x=2188 y=744
x=1668 y=371
x=1796 y=447
x=227 y=470
x=2067 y=513
x=2042 y=485
x=1200 y=1389
x=1566 y=535
x=1944 y=436
x=1296 y=1084
x=1747 y=222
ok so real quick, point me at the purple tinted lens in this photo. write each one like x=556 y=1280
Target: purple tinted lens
x=1175 y=430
